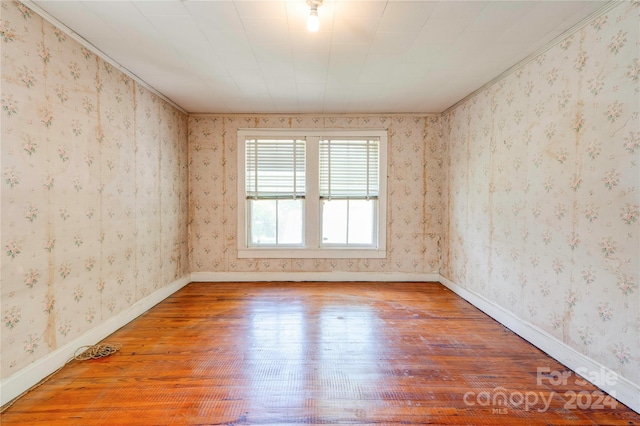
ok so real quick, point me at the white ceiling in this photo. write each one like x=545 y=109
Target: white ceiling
x=379 y=56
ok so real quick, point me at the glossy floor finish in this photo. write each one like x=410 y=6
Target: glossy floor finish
x=317 y=353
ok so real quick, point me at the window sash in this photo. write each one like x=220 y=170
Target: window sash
x=286 y=230
x=349 y=225
x=312 y=246
x=275 y=168
x=349 y=168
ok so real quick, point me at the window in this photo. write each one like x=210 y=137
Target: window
x=275 y=190
x=311 y=193
x=349 y=191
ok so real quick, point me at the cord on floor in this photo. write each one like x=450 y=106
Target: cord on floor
x=96 y=351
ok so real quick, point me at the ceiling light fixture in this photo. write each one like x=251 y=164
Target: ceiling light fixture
x=313 y=22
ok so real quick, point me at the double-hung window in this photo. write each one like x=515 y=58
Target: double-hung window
x=311 y=193
x=275 y=191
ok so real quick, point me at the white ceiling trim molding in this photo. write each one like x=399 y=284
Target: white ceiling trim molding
x=77 y=37
x=574 y=29
x=87 y=44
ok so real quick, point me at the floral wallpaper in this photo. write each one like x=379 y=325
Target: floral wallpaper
x=414 y=204
x=544 y=191
x=526 y=194
x=93 y=191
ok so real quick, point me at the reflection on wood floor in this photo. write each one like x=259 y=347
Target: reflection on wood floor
x=317 y=353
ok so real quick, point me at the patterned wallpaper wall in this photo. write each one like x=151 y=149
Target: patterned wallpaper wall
x=527 y=194
x=544 y=187
x=94 y=190
x=414 y=204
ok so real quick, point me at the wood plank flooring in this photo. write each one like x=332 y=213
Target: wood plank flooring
x=317 y=353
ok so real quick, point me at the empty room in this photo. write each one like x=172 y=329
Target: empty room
x=320 y=212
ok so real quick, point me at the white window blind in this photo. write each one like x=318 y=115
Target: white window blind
x=349 y=168
x=275 y=168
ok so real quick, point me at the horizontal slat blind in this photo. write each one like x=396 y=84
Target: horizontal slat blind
x=349 y=168
x=275 y=168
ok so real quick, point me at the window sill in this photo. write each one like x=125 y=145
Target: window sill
x=304 y=253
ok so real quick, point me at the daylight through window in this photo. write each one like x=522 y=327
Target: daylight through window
x=310 y=193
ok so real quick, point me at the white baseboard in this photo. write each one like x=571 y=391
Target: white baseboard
x=312 y=276
x=21 y=381
x=623 y=389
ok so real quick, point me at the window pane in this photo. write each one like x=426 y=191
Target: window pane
x=290 y=214
x=334 y=222
x=275 y=222
x=348 y=221
x=361 y=221
x=263 y=221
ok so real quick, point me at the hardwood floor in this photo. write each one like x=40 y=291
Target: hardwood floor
x=317 y=353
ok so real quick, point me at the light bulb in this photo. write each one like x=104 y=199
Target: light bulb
x=313 y=22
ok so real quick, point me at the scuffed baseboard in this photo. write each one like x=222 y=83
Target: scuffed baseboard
x=21 y=381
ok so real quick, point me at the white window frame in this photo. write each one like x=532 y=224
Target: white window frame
x=311 y=220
